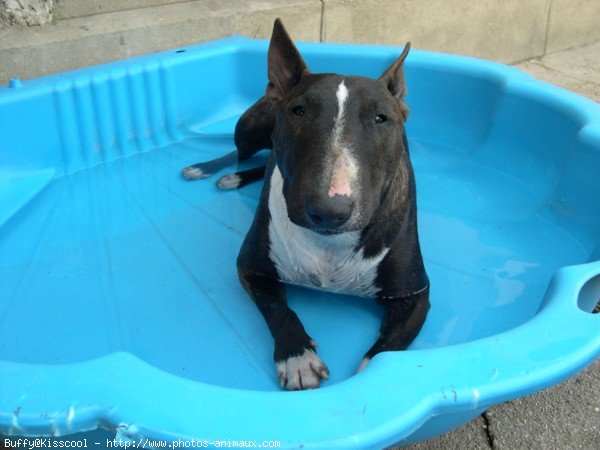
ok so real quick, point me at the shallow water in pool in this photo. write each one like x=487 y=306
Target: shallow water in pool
x=129 y=256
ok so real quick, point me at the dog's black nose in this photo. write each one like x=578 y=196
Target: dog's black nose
x=329 y=212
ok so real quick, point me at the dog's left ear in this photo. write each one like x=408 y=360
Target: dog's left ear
x=393 y=80
x=285 y=64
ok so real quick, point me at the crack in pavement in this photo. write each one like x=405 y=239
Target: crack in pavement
x=488 y=431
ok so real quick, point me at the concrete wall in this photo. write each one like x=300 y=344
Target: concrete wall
x=39 y=37
x=507 y=30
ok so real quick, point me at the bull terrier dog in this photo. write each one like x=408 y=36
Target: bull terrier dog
x=338 y=208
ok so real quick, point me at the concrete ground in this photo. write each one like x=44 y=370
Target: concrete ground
x=566 y=416
x=40 y=37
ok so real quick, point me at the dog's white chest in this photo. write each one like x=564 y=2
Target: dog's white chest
x=309 y=259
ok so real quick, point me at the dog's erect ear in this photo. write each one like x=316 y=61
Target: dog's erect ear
x=285 y=65
x=393 y=80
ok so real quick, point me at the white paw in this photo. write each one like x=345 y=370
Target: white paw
x=193 y=173
x=302 y=372
x=229 y=181
x=363 y=364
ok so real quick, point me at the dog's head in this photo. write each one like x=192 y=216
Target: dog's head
x=337 y=141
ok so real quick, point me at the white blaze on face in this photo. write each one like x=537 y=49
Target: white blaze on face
x=344 y=166
x=338 y=127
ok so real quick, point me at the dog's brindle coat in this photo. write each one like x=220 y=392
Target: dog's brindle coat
x=338 y=207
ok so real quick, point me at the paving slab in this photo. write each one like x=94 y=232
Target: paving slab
x=564 y=417
x=472 y=436
x=577 y=70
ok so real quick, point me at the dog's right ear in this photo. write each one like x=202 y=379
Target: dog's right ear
x=285 y=65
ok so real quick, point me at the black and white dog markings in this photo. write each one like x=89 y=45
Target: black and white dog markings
x=338 y=206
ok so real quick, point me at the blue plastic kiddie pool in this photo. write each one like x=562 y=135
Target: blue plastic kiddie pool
x=120 y=306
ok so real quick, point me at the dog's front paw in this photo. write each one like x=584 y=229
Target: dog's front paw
x=366 y=360
x=229 y=182
x=302 y=372
x=195 y=172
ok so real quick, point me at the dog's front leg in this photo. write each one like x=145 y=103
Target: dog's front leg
x=402 y=321
x=296 y=360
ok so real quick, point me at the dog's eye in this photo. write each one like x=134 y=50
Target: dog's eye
x=380 y=118
x=298 y=110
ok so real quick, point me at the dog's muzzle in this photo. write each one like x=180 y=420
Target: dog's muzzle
x=327 y=215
